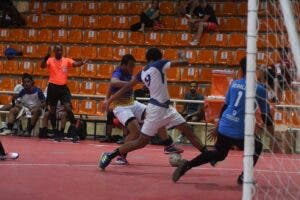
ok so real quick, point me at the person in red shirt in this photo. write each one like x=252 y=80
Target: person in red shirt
x=58 y=67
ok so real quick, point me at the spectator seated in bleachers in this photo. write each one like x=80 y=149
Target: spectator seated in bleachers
x=193 y=111
x=186 y=7
x=203 y=19
x=29 y=101
x=148 y=18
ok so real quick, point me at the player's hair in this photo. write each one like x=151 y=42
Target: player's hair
x=126 y=58
x=153 y=54
x=243 y=65
x=27 y=76
x=58 y=44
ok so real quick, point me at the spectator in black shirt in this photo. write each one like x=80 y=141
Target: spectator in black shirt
x=204 y=19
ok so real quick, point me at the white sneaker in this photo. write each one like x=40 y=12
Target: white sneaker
x=6 y=132
x=194 y=42
x=10 y=156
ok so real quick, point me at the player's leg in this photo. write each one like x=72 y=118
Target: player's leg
x=36 y=113
x=63 y=120
x=108 y=127
x=4 y=155
x=220 y=152
x=187 y=131
x=44 y=128
x=11 y=118
x=167 y=141
x=199 y=33
x=53 y=93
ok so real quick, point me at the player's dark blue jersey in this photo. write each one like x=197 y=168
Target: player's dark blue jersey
x=232 y=120
x=119 y=74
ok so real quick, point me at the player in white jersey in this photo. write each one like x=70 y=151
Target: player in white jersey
x=158 y=113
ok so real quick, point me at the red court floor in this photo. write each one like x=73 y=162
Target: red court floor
x=67 y=171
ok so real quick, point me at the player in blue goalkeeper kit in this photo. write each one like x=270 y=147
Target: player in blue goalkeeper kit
x=230 y=131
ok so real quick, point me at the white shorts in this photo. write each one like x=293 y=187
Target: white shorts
x=158 y=117
x=125 y=113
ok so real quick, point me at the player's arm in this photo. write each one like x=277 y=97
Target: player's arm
x=108 y=93
x=79 y=63
x=44 y=61
x=115 y=82
x=42 y=98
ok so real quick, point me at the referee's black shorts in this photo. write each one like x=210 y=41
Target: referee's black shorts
x=57 y=93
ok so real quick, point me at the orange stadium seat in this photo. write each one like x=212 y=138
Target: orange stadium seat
x=75 y=36
x=173 y=74
x=231 y=24
x=167 y=8
x=219 y=40
x=168 y=22
x=105 y=7
x=4 y=35
x=139 y=54
x=74 y=72
x=99 y=109
x=88 y=87
x=90 y=21
x=237 y=56
x=40 y=71
x=237 y=40
x=41 y=50
x=136 y=70
x=102 y=88
x=45 y=35
x=152 y=38
x=273 y=57
x=16 y=46
x=168 y=39
x=73 y=86
x=280 y=117
x=262 y=58
x=119 y=52
x=105 y=21
x=26 y=67
x=105 y=37
x=87 y=107
x=50 y=7
x=120 y=22
x=134 y=19
x=190 y=74
x=243 y=8
x=75 y=21
x=175 y=91
x=273 y=41
x=204 y=40
x=136 y=38
x=64 y=7
x=90 y=36
x=5 y=99
x=261 y=41
x=192 y=56
x=184 y=39
x=230 y=8
x=31 y=35
x=89 y=70
x=36 y=7
x=105 y=53
x=289 y=97
x=205 y=57
x=170 y=54
x=135 y=8
x=77 y=7
x=218 y=8
x=30 y=51
x=121 y=8
x=89 y=52
x=53 y=21
x=181 y=23
x=205 y=74
x=17 y=35
x=40 y=83
x=224 y=57
x=7 y=84
x=120 y=37
x=33 y=20
x=104 y=71
x=295 y=119
x=2 y=49
x=268 y=24
x=220 y=83
x=90 y=8
x=60 y=35
x=11 y=67
x=268 y=8
x=74 y=51
x=75 y=106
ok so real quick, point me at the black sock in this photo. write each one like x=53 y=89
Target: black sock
x=10 y=126
x=71 y=116
x=30 y=127
x=114 y=154
x=53 y=120
x=167 y=142
x=2 y=151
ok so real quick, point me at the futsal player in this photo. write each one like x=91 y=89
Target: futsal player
x=58 y=67
x=230 y=130
x=158 y=112
x=5 y=156
x=129 y=112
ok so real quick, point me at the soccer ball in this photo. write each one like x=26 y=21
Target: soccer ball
x=174 y=159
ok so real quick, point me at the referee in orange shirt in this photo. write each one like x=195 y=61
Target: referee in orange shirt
x=58 y=67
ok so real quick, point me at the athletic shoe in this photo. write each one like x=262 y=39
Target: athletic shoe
x=75 y=139
x=121 y=160
x=6 y=132
x=240 y=179
x=194 y=42
x=180 y=170
x=172 y=149
x=11 y=156
x=58 y=136
x=104 y=161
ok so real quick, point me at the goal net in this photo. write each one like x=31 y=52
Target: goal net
x=277 y=173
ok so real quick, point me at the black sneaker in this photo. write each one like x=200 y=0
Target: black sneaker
x=9 y=156
x=180 y=170
x=58 y=136
x=172 y=149
x=240 y=179
x=104 y=161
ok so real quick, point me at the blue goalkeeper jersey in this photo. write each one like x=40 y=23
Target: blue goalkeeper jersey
x=232 y=120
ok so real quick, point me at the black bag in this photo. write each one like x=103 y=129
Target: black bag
x=135 y=27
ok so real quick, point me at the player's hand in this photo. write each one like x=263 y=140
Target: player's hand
x=212 y=136
x=105 y=106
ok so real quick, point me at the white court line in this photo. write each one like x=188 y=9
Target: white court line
x=96 y=166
